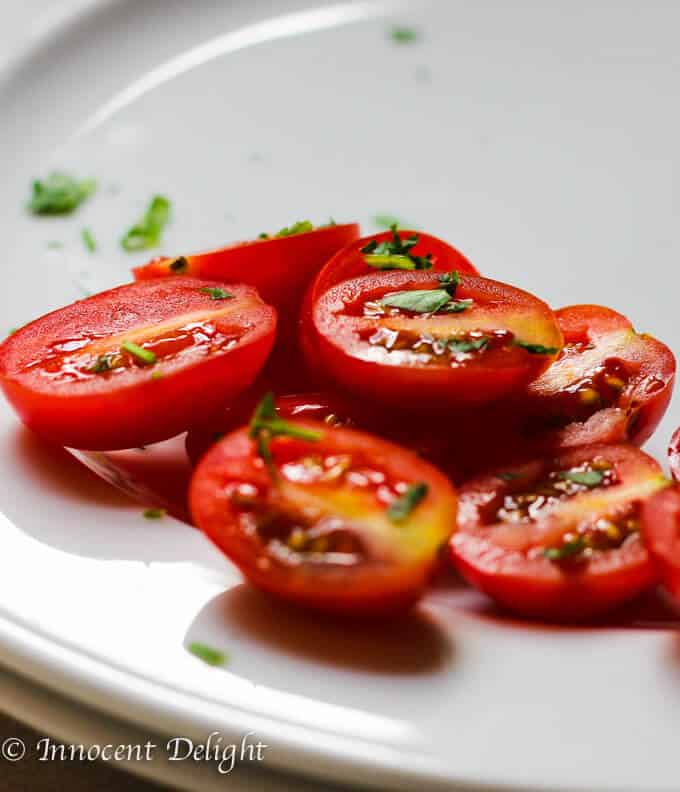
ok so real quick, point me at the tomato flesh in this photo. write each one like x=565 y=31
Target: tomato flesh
x=558 y=538
x=317 y=531
x=136 y=364
x=661 y=532
x=401 y=358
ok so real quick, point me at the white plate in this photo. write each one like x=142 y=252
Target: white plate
x=539 y=138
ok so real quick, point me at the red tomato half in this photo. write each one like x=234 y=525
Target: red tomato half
x=136 y=364
x=326 y=528
x=407 y=429
x=609 y=384
x=661 y=532
x=559 y=538
x=489 y=341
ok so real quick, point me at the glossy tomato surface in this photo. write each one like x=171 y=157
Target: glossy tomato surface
x=322 y=526
x=609 y=384
x=489 y=340
x=136 y=364
x=661 y=532
x=559 y=538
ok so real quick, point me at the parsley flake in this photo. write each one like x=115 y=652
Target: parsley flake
x=147 y=232
x=401 y=508
x=153 y=514
x=403 y=35
x=587 y=478
x=215 y=293
x=395 y=253
x=103 y=364
x=463 y=346
x=536 y=349
x=207 y=654
x=565 y=551
x=59 y=194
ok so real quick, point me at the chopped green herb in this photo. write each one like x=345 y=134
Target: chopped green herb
x=567 y=550
x=301 y=227
x=462 y=346
x=59 y=194
x=263 y=235
x=266 y=424
x=103 y=364
x=457 y=306
x=144 y=356
x=400 y=509
x=450 y=281
x=537 y=349
x=403 y=35
x=215 y=293
x=395 y=253
x=153 y=514
x=587 y=478
x=207 y=654
x=508 y=476
x=88 y=240
x=418 y=300
x=180 y=264
x=387 y=221
x=147 y=232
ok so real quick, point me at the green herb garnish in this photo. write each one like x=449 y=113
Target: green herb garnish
x=103 y=364
x=418 y=300
x=215 y=293
x=145 y=356
x=400 y=509
x=536 y=349
x=587 y=478
x=59 y=194
x=157 y=374
x=301 y=227
x=395 y=253
x=387 y=221
x=450 y=281
x=180 y=264
x=88 y=240
x=462 y=346
x=153 y=514
x=148 y=231
x=266 y=424
x=403 y=35
x=207 y=654
x=567 y=550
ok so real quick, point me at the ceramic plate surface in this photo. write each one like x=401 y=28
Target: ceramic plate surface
x=541 y=139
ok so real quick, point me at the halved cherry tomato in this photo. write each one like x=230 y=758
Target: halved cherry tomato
x=609 y=384
x=559 y=538
x=350 y=262
x=488 y=340
x=661 y=534
x=410 y=430
x=136 y=364
x=344 y=522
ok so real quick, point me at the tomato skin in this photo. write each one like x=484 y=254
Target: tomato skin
x=134 y=409
x=335 y=346
x=367 y=589
x=661 y=532
x=526 y=582
x=349 y=263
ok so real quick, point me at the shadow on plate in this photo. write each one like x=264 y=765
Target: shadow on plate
x=413 y=643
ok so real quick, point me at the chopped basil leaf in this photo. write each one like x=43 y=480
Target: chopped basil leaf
x=215 y=293
x=59 y=194
x=403 y=35
x=395 y=253
x=103 y=364
x=418 y=300
x=567 y=550
x=207 y=654
x=144 y=356
x=450 y=281
x=153 y=514
x=147 y=232
x=400 y=509
x=88 y=240
x=587 y=478
x=180 y=264
x=462 y=346
x=266 y=424
x=537 y=349
x=457 y=306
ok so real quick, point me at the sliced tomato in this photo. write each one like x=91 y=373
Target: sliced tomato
x=410 y=430
x=489 y=340
x=661 y=533
x=339 y=521
x=136 y=364
x=558 y=538
x=609 y=384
